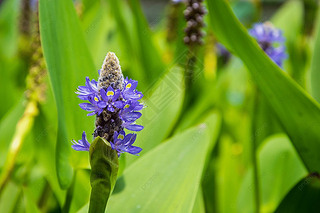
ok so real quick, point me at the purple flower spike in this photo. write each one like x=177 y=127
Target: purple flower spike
x=89 y=89
x=81 y=145
x=96 y=105
x=267 y=36
x=123 y=143
x=115 y=102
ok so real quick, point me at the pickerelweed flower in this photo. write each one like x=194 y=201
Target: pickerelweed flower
x=81 y=145
x=96 y=105
x=91 y=88
x=123 y=143
x=270 y=40
x=115 y=102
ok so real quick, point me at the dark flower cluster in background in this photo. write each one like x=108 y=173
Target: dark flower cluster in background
x=270 y=40
x=194 y=16
x=115 y=102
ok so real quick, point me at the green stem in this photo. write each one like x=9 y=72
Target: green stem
x=104 y=169
x=189 y=72
x=22 y=129
x=254 y=149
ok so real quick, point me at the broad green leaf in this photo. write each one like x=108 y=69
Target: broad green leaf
x=163 y=103
x=315 y=63
x=44 y=140
x=167 y=178
x=199 y=203
x=297 y=112
x=304 y=197
x=68 y=61
x=279 y=169
x=84 y=209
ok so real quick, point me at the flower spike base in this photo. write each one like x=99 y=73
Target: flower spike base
x=104 y=168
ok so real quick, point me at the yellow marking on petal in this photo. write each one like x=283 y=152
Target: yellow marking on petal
x=126 y=106
x=120 y=136
x=110 y=93
x=96 y=99
x=128 y=86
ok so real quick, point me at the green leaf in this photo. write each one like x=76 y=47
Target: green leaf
x=124 y=22
x=11 y=66
x=291 y=104
x=81 y=193
x=149 y=54
x=304 y=197
x=8 y=128
x=163 y=104
x=68 y=61
x=289 y=24
x=44 y=140
x=199 y=203
x=100 y=31
x=9 y=197
x=167 y=178
x=292 y=27
x=9 y=11
x=279 y=169
x=30 y=203
x=104 y=169
x=315 y=63
x=225 y=182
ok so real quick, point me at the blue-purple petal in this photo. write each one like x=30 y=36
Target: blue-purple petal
x=81 y=145
x=134 y=127
x=87 y=106
x=118 y=104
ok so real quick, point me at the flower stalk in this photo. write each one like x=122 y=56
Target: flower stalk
x=104 y=169
x=193 y=37
x=22 y=129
